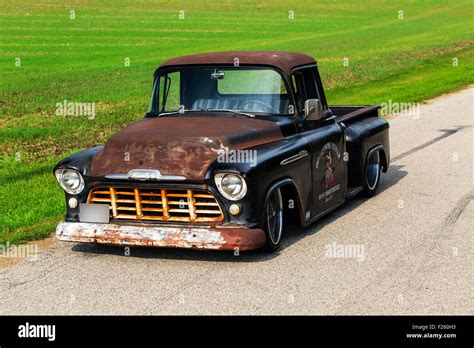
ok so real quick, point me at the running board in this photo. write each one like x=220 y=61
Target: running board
x=353 y=191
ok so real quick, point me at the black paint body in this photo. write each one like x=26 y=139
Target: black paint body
x=350 y=131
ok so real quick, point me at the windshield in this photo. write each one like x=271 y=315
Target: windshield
x=241 y=89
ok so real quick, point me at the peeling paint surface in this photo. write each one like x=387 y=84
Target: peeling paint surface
x=180 y=145
x=284 y=61
x=161 y=236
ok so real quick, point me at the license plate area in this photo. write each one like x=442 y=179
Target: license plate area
x=90 y=212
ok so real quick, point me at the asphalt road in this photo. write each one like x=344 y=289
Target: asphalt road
x=413 y=243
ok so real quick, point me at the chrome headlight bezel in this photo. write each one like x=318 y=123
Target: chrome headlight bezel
x=218 y=179
x=60 y=177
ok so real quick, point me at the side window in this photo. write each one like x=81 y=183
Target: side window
x=170 y=90
x=304 y=84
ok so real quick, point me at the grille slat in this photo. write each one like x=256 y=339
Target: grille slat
x=207 y=212
x=210 y=204
x=179 y=210
x=152 y=209
x=183 y=205
x=100 y=200
x=127 y=208
x=144 y=201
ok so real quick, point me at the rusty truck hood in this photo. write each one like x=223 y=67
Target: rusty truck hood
x=181 y=145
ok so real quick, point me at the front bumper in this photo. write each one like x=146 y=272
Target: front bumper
x=224 y=238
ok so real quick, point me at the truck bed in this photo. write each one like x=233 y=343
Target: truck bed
x=348 y=114
x=364 y=131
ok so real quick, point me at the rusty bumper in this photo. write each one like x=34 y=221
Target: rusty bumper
x=228 y=238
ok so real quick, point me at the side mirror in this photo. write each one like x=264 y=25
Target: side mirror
x=217 y=75
x=313 y=109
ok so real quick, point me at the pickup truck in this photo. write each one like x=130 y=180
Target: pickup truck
x=234 y=144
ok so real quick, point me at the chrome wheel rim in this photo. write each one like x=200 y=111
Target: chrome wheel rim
x=373 y=170
x=275 y=216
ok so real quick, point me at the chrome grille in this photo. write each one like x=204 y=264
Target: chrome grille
x=184 y=205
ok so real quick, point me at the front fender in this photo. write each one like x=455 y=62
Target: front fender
x=81 y=162
x=283 y=162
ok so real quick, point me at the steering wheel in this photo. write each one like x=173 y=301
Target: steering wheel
x=265 y=105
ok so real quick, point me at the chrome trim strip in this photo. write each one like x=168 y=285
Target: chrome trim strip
x=117 y=176
x=291 y=159
x=145 y=175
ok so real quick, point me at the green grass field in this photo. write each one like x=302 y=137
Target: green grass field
x=82 y=60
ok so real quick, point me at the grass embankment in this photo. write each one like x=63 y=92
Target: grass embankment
x=83 y=60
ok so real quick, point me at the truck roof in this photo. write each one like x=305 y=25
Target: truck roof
x=284 y=61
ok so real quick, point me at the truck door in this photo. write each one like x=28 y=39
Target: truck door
x=327 y=140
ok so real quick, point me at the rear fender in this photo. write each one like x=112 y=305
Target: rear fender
x=363 y=136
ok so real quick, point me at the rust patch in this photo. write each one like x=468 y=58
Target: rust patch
x=285 y=61
x=169 y=236
x=182 y=145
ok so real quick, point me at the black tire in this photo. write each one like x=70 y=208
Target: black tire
x=372 y=174
x=273 y=223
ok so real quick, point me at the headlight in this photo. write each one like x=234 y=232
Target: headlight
x=70 y=180
x=231 y=186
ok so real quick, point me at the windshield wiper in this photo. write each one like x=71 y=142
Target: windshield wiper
x=232 y=111
x=204 y=110
x=178 y=112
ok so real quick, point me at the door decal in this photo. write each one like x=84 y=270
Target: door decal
x=327 y=160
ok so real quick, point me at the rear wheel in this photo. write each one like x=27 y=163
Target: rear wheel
x=274 y=220
x=372 y=174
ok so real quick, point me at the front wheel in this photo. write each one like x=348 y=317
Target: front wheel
x=372 y=174
x=274 y=220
